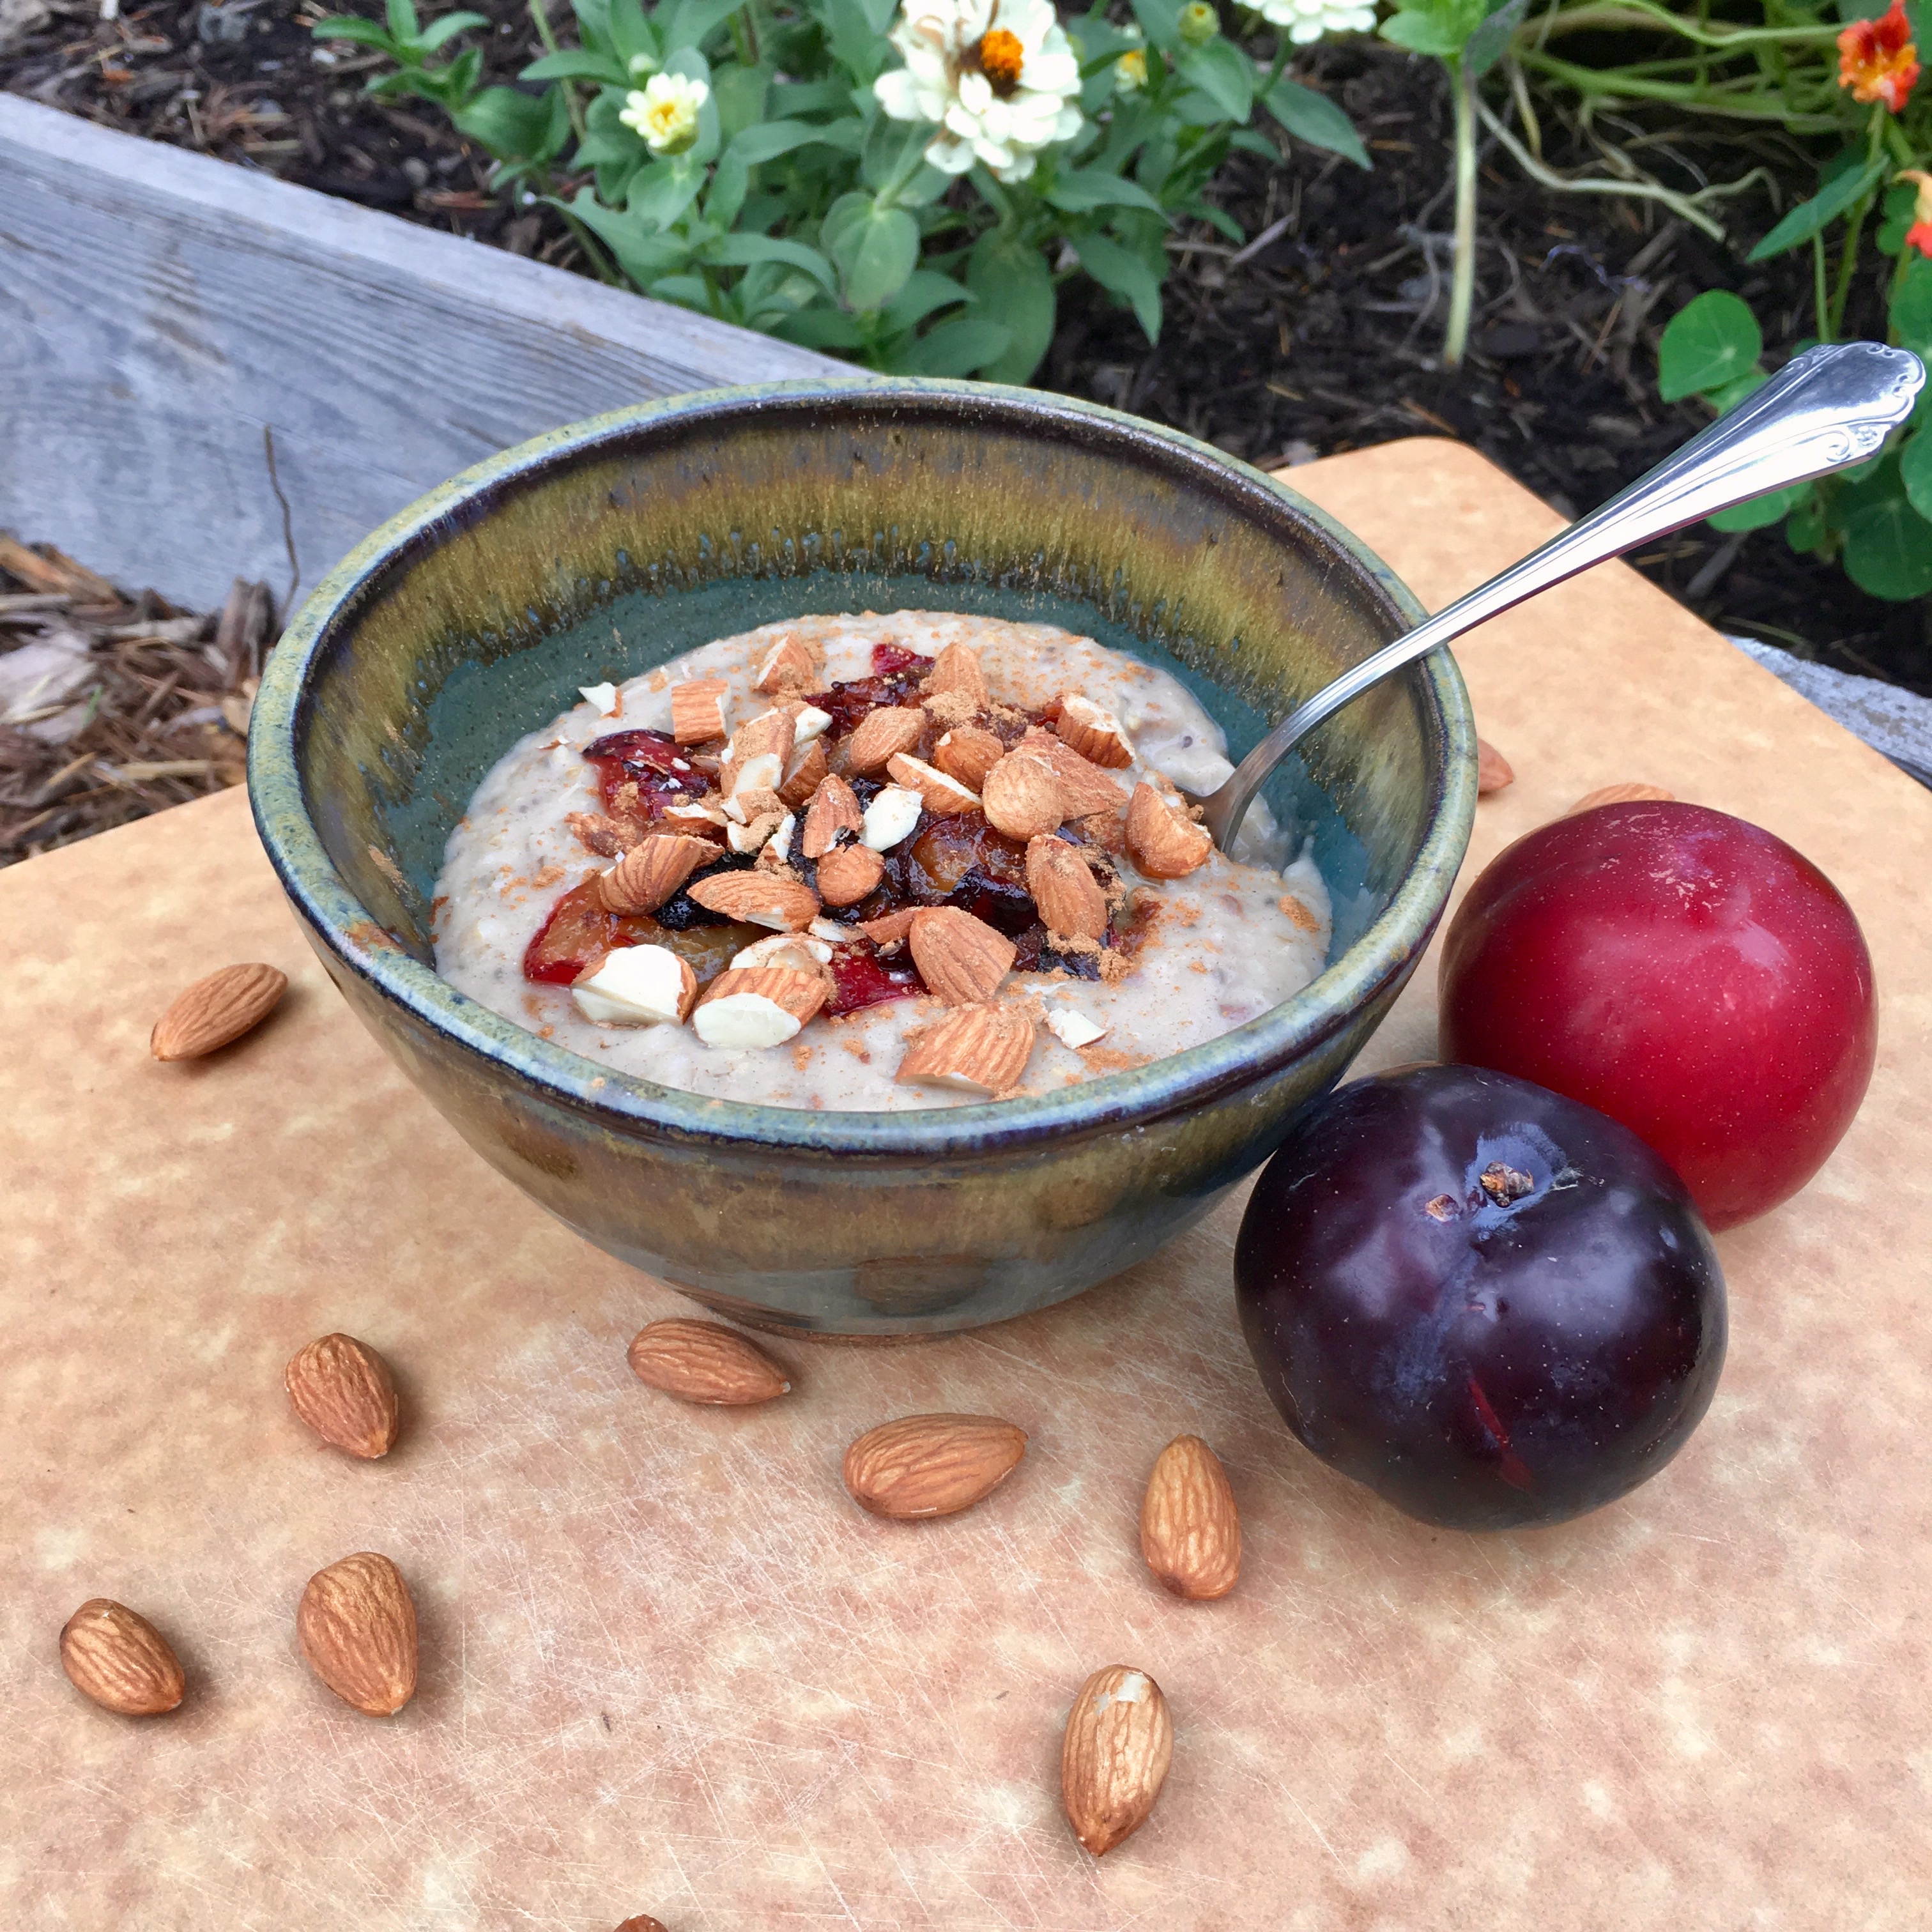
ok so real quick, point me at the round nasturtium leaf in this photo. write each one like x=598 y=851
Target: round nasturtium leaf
x=1709 y=342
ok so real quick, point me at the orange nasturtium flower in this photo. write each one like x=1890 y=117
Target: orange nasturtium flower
x=1919 y=235
x=1876 y=59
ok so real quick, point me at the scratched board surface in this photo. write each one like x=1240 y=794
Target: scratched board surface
x=669 y=1667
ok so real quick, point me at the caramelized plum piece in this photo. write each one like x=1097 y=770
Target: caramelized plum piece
x=577 y=929
x=891 y=660
x=849 y=702
x=1493 y=1305
x=656 y=765
x=860 y=978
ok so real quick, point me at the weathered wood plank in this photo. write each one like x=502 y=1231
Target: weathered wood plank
x=158 y=309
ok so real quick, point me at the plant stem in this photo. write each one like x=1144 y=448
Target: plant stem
x=1818 y=287
x=572 y=105
x=1462 y=281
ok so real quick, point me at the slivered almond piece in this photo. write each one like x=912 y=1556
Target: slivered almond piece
x=1114 y=1759
x=653 y=871
x=1022 y=796
x=705 y=1362
x=759 y=898
x=802 y=951
x=892 y=930
x=635 y=986
x=344 y=1391
x=977 y=1049
x=1067 y=896
x=1072 y=1028
x=893 y=815
x=697 y=709
x=891 y=728
x=941 y=795
x=963 y=959
x=968 y=753
x=216 y=1010
x=1086 y=788
x=957 y=668
x=1161 y=840
x=1493 y=770
x=357 y=1625
x=114 y=1655
x=805 y=775
x=1632 y=794
x=927 y=1465
x=786 y=667
x=1190 y=1530
x=847 y=874
x=769 y=735
x=1098 y=736
x=835 y=808
x=757 y=1006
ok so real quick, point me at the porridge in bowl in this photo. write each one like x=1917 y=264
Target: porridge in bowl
x=880 y=863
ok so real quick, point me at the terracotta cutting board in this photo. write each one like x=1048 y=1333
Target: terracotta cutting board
x=669 y=1667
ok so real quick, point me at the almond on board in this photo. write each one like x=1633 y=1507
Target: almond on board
x=1190 y=1530
x=343 y=1389
x=1632 y=793
x=926 y=1466
x=216 y=1010
x=357 y=1626
x=1114 y=1757
x=115 y=1656
x=705 y=1362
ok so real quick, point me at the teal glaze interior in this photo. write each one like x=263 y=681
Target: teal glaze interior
x=472 y=586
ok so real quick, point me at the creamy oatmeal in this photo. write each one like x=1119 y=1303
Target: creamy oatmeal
x=874 y=861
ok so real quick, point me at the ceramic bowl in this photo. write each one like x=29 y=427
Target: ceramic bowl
x=603 y=549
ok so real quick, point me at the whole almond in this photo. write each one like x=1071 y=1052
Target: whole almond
x=705 y=1362
x=941 y=796
x=1631 y=793
x=1022 y=796
x=357 y=1626
x=923 y=1465
x=1493 y=771
x=1065 y=893
x=835 y=808
x=1083 y=786
x=1098 y=736
x=114 y=1655
x=967 y=753
x=962 y=959
x=1114 y=1760
x=1190 y=1530
x=805 y=774
x=759 y=899
x=653 y=871
x=880 y=733
x=957 y=668
x=978 y=1049
x=846 y=875
x=217 y=1010
x=344 y=1391
x=1161 y=840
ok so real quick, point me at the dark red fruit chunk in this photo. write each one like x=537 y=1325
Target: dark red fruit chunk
x=656 y=765
x=1686 y=972
x=889 y=659
x=1493 y=1305
x=577 y=929
x=860 y=978
x=849 y=702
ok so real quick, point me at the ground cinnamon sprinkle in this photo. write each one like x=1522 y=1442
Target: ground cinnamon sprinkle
x=1299 y=914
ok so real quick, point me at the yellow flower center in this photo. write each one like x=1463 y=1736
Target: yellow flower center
x=1000 y=57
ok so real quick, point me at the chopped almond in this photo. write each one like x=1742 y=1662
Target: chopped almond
x=979 y=1049
x=835 y=808
x=963 y=959
x=1069 y=902
x=755 y=836
x=1022 y=796
x=756 y=742
x=596 y=833
x=805 y=775
x=848 y=874
x=788 y=666
x=880 y=733
x=697 y=709
x=892 y=930
x=1098 y=736
x=635 y=986
x=1161 y=840
x=1086 y=788
x=968 y=753
x=653 y=871
x=757 y=1006
x=941 y=796
x=759 y=898
x=1493 y=772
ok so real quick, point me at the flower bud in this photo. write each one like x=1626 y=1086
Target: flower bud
x=1199 y=23
x=1130 y=72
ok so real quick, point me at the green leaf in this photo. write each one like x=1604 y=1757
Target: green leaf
x=1015 y=286
x=957 y=348
x=821 y=328
x=631 y=33
x=739 y=251
x=1810 y=217
x=1160 y=20
x=1760 y=512
x=1805 y=528
x=575 y=64
x=1726 y=396
x=1252 y=141
x=926 y=292
x=1711 y=340
x=1911 y=313
x=856 y=43
x=842 y=221
x=662 y=191
x=342 y=27
x=876 y=255
x=1123 y=273
x=1224 y=73
x=1081 y=191
x=1901 y=209
x=741 y=94
x=1314 y=120
x=1915 y=472
x=447 y=29
x=644 y=255
x=404 y=23
x=689 y=23
x=1440 y=27
x=515 y=126
x=1490 y=41
x=763 y=143
x=1888 y=544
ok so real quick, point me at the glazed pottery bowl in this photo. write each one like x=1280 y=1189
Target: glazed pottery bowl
x=604 y=549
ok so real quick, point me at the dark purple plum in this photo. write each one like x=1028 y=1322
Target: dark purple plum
x=1493 y=1305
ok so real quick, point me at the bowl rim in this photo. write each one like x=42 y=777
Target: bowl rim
x=335 y=916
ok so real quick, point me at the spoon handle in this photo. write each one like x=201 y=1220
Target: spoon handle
x=1831 y=407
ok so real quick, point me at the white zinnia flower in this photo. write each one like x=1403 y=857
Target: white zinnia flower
x=664 y=111
x=997 y=77
x=1308 y=20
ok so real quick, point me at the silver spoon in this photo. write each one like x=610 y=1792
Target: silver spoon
x=1826 y=409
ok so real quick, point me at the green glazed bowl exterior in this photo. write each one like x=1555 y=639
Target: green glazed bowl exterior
x=611 y=546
